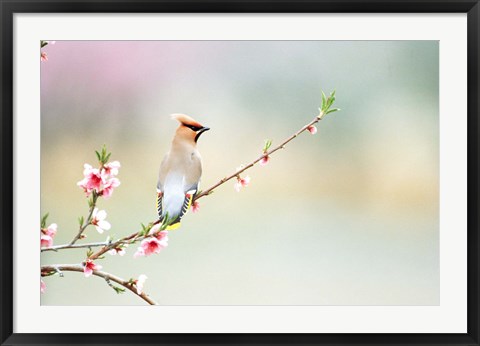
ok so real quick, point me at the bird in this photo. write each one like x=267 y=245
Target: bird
x=180 y=172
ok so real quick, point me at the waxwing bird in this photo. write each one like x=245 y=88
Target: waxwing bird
x=180 y=171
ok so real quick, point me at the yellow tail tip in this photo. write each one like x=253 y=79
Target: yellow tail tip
x=173 y=227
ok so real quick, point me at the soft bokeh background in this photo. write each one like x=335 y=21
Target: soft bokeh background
x=346 y=217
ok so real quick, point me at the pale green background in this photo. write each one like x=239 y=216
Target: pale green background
x=346 y=217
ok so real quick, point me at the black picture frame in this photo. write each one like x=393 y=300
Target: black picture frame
x=9 y=8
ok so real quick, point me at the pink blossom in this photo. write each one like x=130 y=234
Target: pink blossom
x=118 y=250
x=162 y=236
x=109 y=186
x=140 y=282
x=98 y=220
x=245 y=181
x=43 y=286
x=92 y=180
x=111 y=168
x=51 y=230
x=312 y=129
x=195 y=207
x=47 y=234
x=43 y=56
x=102 y=181
x=151 y=245
x=264 y=160
x=155 y=228
x=241 y=182
x=89 y=267
x=46 y=240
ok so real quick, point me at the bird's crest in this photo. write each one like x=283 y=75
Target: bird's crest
x=186 y=120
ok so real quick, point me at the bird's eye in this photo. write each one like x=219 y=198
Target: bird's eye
x=193 y=128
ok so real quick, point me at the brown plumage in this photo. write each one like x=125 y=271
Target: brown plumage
x=180 y=171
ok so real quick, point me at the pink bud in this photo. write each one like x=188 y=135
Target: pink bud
x=140 y=282
x=241 y=182
x=195 y=207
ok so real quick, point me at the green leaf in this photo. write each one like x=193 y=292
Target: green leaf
x=145 y=229
x=89 y=252
x=333 y=110
x=43 y=222
x=268 y=144
x=117 y=289
x=142 y=232
x=99 y=157
x=331 y=99
x=80 y=221
x=324 y=101
x=108 y=156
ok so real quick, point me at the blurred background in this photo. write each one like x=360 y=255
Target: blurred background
x=348 y=216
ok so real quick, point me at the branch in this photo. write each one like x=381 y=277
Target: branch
x=75 y=246
x=47 y=270
x=107 y=276
x=325 y=109
x=89 y=219
x=131 y=239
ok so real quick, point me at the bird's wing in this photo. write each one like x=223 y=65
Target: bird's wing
x=162 y=173
x=175 y=190
x=193 y=172
x=159 y=203
x=187 y=202
x=160 y=183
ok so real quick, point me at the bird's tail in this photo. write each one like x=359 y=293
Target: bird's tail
x=174 y=222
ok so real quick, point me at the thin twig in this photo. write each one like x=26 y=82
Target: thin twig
x=74 y=246
x=88 y=220
x=224 y=180
x=115 y=245
x=102 y=274
x=137 y=236
x=251 y=164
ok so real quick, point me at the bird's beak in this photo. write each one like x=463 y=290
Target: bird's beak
x=202 y=130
